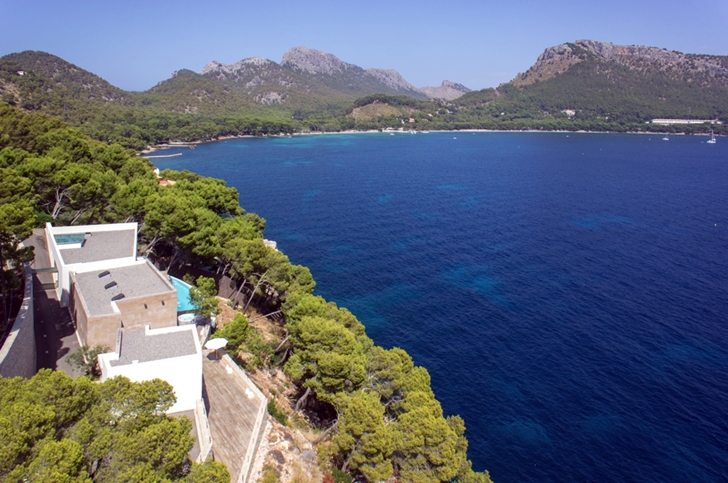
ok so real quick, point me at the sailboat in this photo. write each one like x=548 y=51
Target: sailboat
x=712 y=138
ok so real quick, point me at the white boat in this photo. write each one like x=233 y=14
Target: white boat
x=712 y=138
x=666 y=138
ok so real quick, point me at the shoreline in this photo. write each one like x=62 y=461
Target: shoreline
x=192 y=144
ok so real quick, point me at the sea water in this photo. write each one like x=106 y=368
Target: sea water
x=568 y=293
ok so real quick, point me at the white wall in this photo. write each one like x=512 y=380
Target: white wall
x=63 y=286
x=183 y=373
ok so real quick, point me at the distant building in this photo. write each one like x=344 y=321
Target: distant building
x=685 y=121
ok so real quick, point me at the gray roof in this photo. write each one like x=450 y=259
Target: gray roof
x=102 y=245
x=137 y=346
x=133 y=281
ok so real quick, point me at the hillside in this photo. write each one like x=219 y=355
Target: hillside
x=189 y=92
x=447 y=90
x=598 y=81
x=307 y=81
x=185 y=107
x=581 y=85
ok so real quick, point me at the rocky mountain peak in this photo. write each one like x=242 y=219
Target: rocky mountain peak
x=391 y=78
x=559 y=58
x=314 y=62
x=216 y=69
x=447 y=90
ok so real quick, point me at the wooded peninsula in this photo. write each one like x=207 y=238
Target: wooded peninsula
x=374 y=409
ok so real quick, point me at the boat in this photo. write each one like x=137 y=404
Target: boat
x=712 y=138
x=666 y=138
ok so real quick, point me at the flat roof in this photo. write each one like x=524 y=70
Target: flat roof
x=138 y=345
x=101 y=245
x=99 y=287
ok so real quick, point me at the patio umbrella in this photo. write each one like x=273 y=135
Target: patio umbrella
x=215 y=344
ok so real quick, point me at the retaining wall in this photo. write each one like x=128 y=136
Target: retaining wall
x=17 y=355
x=203 y=431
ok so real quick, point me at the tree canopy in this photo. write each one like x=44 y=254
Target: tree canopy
x=55 y=428
x=388 y=421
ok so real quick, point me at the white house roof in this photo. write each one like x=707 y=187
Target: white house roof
x=99 y=245
x=99 y=288
x=137 y=345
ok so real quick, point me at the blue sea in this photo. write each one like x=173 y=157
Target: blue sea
x=568 y=293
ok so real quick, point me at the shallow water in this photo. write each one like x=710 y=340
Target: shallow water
x=567 y=293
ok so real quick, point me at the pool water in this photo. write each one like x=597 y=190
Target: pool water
x=183 y=295
x=69 y=239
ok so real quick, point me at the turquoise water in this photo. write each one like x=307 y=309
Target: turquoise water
x=183 y=295
x=568 y=293
x=69 y=239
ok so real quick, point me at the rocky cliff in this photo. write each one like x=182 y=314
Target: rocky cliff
x=702 y=69
x=307 y=76
x=447 y=90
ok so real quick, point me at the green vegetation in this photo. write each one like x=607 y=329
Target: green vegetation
x=236 y=332
x=55 y=428
x=604 y=96
x=269 y=475
x=87 y=360
x=376 y=407
x=204 y=297
x=277 y=414
x=387 y=418
x=187 y=107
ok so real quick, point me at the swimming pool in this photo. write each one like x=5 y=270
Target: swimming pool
x=69 y=239
x=183 y=295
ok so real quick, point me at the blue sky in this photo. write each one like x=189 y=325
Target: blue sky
x=135 y=44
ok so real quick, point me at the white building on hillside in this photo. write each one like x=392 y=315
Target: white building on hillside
x=173 y=354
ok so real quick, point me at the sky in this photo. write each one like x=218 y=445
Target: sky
x=135 y=44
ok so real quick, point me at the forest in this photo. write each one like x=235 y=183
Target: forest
x=374 y=408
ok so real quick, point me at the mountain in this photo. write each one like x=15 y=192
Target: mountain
x=347 y=78
x=584 y=84
x=38 y=81
x=447 y=90
x=306 y=78
x=704 y=70
x=185 y=107
x=189 y=92
x=589 y=81
x=57 y=74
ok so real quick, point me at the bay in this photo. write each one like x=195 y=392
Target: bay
x=567 y=292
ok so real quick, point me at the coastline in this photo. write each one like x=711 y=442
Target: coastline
x=192 y=144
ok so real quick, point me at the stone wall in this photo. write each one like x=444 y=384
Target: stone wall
x=17 y=355
x=203 y=432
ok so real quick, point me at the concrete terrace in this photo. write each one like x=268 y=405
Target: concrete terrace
x=236 y=411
